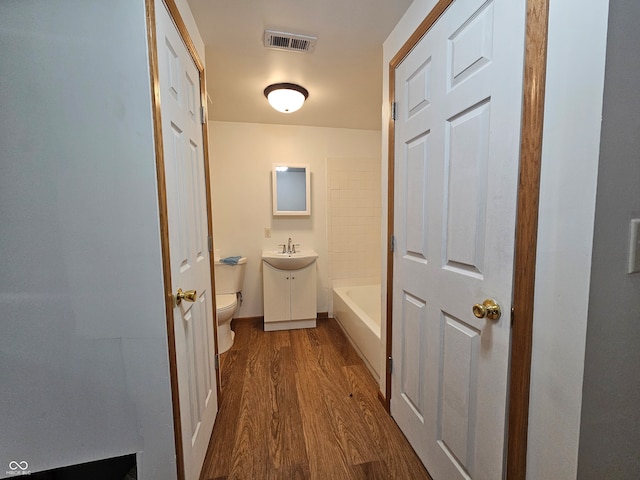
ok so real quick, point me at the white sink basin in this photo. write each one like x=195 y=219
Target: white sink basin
x=289 y=261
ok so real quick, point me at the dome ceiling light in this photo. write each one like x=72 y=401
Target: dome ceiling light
x=286 y=97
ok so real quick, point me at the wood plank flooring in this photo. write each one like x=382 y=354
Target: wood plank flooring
x=300 y=404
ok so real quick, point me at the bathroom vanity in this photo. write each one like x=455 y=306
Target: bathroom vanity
x=289 y=285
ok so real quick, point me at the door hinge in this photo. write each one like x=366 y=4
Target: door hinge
x=216 y=362
x=393 y=243
x=210 y=243
x=390 y=361
x=202 y=115
x=394 y=110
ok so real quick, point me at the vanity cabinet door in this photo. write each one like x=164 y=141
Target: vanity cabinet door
x=303 y=293
x=277 y=293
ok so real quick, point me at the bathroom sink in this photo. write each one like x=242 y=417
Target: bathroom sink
x=289 y=261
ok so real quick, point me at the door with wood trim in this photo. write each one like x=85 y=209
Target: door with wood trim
x=194 y=318
x=457 y=140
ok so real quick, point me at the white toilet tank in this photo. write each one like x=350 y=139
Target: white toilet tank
x=229 y=277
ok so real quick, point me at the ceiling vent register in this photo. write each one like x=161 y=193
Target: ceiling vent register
x=289 y=41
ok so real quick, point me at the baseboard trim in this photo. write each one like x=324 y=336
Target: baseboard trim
x=383 y=400
x=258 y=318
x=290 y=325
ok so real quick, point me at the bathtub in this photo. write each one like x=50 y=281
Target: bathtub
x=357 y=310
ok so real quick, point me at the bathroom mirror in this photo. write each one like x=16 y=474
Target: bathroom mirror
x=291 y=189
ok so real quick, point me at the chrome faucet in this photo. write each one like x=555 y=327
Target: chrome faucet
x=289 y=245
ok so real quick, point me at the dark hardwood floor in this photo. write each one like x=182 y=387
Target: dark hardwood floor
x=300 y=404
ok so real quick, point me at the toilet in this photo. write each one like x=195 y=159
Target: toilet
x=229 y=280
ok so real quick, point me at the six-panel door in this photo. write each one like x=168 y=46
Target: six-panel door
x=188 y=233
x=457 y=134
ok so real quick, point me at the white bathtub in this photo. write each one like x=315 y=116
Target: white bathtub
x=357 y=310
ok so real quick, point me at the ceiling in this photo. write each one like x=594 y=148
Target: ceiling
x=343 y=75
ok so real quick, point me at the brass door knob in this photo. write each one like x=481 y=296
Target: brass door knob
x=489 y=308
x=189 y=296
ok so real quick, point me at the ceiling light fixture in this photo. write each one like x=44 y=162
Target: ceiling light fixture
x=286 y=97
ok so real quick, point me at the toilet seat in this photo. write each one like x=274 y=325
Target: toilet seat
x=226 y=302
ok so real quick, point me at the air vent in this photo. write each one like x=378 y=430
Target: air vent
x=289 y=41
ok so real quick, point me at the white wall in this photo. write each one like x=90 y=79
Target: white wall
x=573 y=110
x=610 y=429
x=83 y=343
x=570 y=160
x=242 y=155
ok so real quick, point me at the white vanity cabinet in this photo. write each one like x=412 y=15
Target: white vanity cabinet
x=290 y=297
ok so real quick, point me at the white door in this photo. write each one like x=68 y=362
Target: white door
x=188 y=234
x=458 y=95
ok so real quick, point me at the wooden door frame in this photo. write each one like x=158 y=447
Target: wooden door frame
x=526 y=222
x=174 y=13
